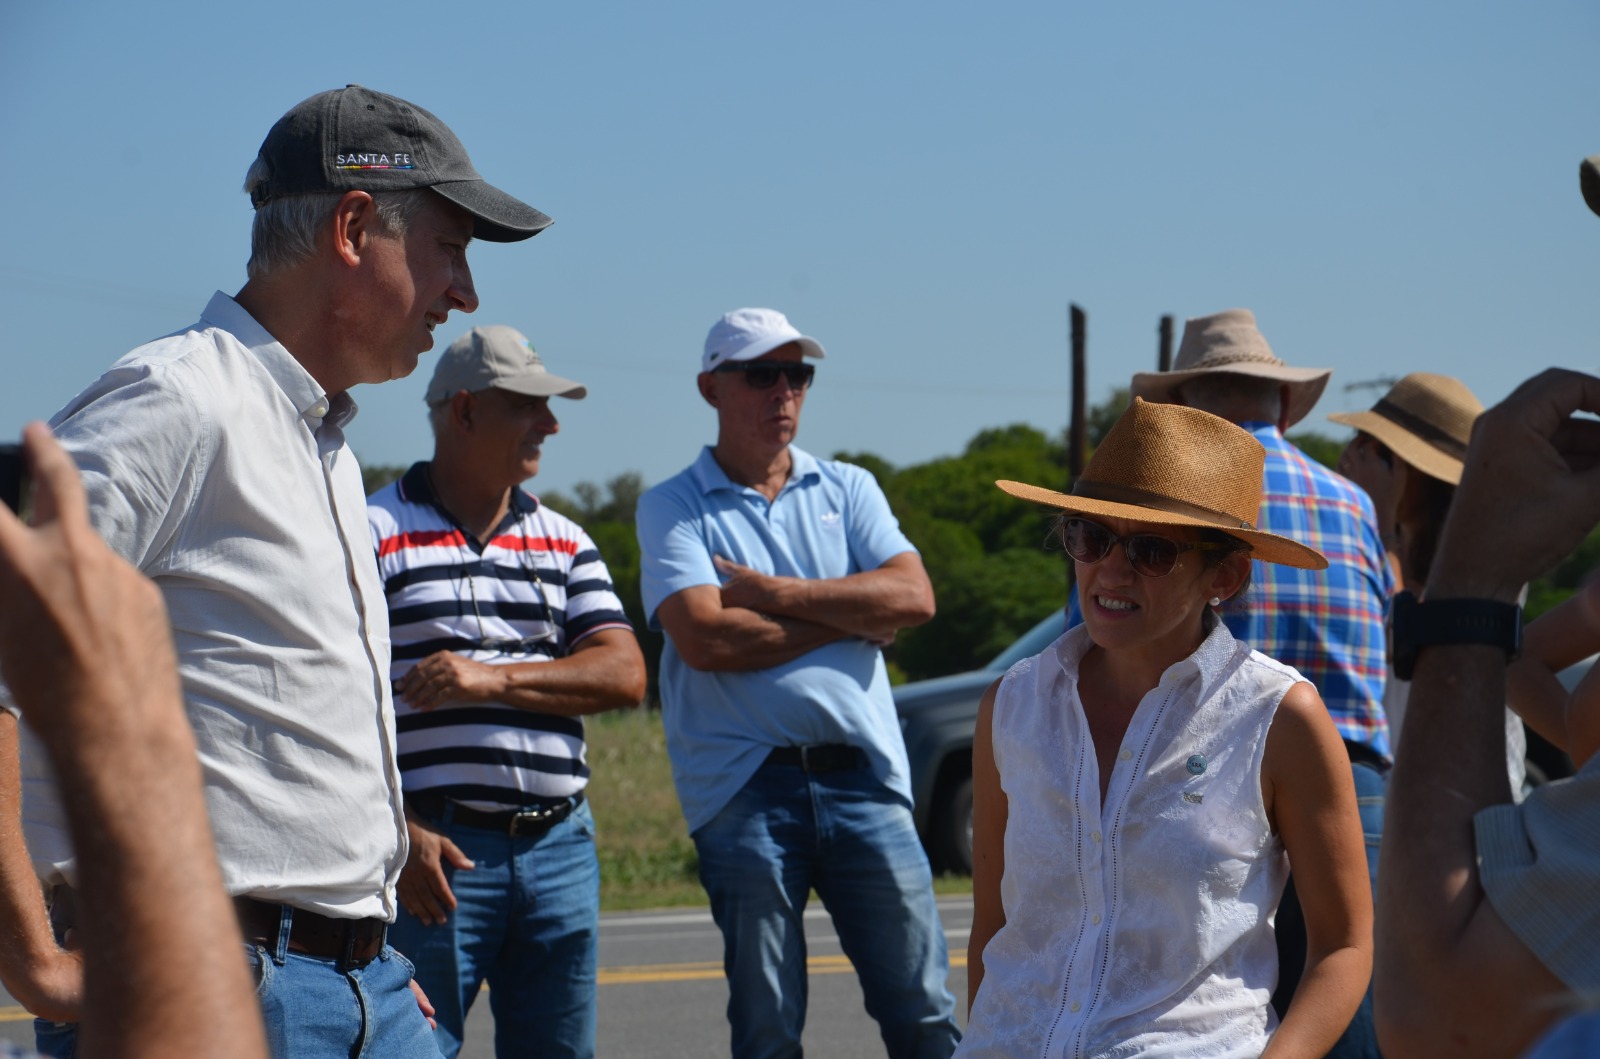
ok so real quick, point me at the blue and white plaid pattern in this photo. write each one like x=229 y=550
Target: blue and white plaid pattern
x=1328 y=624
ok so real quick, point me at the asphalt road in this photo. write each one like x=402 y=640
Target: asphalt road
x=662 y=993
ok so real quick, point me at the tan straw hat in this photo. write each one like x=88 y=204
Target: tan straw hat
x=1176 y=466
x=1427 y=421
x=1230 y=342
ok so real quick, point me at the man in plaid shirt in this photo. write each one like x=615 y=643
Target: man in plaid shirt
x=1328 y=624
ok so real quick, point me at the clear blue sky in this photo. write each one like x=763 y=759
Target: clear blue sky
x=923 y=186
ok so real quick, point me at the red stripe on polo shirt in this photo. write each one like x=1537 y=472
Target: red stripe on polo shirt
x=535 y=544
x=421 y=539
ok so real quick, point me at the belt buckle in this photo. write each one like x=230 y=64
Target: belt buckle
x=534 y=819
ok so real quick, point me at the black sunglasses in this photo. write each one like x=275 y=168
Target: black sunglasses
x=763 y=374
x=1148 y=553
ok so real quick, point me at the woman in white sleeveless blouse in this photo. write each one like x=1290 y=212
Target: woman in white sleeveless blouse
x=1143 y=784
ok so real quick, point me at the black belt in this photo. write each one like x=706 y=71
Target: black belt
x=353 y=942
x=822 y=757
x=528 y=822
x=1363 y=754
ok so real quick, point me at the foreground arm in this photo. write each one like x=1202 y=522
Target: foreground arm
x=873 y=605
x=85 y=650
x=44 y=979
x=604 y=671
x=989 y=809
x=1452 y=978
x=1312 y=800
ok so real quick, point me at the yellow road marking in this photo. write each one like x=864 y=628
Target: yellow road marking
x=699 y=972
x=659 y=972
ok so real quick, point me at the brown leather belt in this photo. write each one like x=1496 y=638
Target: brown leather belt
x=530 y=821
x=822 y=757
x=352 y=942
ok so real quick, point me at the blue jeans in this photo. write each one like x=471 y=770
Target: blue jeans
x=312 y=1009
x=848 y=837
x=527 y=920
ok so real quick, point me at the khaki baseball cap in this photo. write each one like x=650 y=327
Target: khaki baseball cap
x=500 y=358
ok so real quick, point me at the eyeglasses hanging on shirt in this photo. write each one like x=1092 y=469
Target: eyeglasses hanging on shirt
x=547 y=633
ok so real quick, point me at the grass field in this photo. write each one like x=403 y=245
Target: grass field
x=646 y=857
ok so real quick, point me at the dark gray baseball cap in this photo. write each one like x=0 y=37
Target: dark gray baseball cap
x=353 y=138
x=496 y=357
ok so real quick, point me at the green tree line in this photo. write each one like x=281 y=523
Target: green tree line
x=993 y=572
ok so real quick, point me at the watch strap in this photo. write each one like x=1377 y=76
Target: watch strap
x=1435 y=623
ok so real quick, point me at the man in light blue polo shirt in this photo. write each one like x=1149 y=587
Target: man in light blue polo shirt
x=777 y=577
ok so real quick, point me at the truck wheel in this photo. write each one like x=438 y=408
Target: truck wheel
x=955 y=829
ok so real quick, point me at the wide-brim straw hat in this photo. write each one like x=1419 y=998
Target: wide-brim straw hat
x=1176 y=466
x=1230 y=342
x=1425 y=420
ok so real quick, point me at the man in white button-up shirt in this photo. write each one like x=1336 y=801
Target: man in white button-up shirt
x=215 y=461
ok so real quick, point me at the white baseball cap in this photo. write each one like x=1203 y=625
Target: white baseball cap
x=496 y=357
x=746 y=334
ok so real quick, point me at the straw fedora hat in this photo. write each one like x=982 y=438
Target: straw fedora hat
x=1176 y=466
x=1230 y=342
x=1426 y=420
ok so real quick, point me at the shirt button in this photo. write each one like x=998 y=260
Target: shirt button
x=1126 y=755
x=1095 y=835
x=1097 y=919
x=318 y=410
x=1076 y=1006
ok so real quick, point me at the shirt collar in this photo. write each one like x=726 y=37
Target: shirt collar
x=309 y=399
x=710 y=477
x=416 y=487
x=1211 y=661
x=1265 y=432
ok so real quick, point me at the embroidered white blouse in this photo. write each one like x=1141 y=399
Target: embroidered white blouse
x=1142 y=926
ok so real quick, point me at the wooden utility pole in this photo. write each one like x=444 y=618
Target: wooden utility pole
x=1078 y=428
x=1164 y=356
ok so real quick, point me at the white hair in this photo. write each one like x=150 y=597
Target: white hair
x=285 y=229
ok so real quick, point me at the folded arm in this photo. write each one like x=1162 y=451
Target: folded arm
x=872 y=605
x=604 y=671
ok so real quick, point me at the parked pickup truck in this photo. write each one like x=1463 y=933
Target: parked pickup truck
x=937 y=717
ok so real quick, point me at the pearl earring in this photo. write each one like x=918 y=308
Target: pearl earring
x=1216 y=601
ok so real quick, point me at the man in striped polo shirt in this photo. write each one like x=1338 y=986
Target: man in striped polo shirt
x=506 y=632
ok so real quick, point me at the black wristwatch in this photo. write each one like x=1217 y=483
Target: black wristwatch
x=1417 y=624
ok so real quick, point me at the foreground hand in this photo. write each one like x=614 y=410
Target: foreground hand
x=424 y=888
x=1530 y=493
x=448 y=677
x=81 y=629
x=424 y=1005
